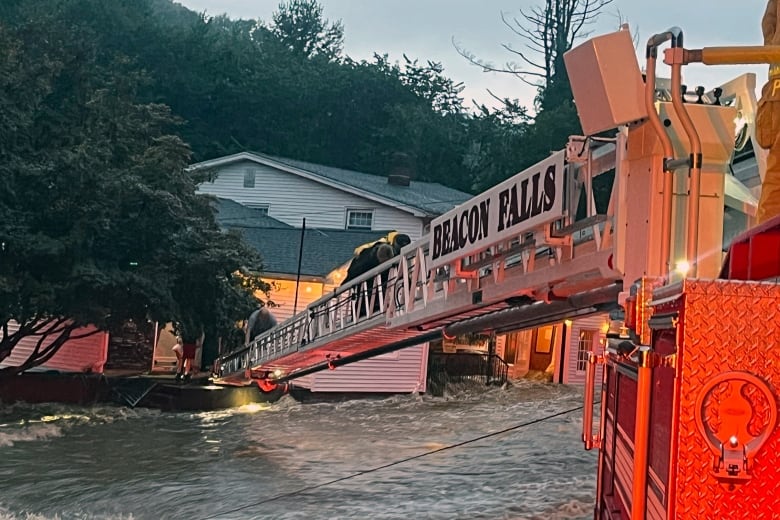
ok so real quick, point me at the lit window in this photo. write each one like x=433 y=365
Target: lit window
x=249 y=178
x=360 y=219
x=584 y=345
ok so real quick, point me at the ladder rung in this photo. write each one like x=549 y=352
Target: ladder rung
x=528 y=244
x=579 y=226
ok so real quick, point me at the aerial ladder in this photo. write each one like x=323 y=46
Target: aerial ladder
x=530 y=251
x=687 y=422
x=533 y=250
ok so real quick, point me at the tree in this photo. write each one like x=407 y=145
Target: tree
x=429 y=84
x=242 y=85
x=549 y=32
x=497 y=138
x=299 y=25
x=99 y=219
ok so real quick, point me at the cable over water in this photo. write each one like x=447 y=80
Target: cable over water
x=395 y=463
x=475 y=453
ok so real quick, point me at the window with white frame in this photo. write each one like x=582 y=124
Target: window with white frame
x=261 y=208
x=249 y=178
x=584 y=345
x=361 y=219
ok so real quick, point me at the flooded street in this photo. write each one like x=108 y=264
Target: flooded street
x=289 y=460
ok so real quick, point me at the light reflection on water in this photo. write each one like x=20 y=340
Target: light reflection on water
x=138 y=464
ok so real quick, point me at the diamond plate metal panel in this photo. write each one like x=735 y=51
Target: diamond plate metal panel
x=726 y=326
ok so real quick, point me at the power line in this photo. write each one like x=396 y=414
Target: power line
x=390 y=464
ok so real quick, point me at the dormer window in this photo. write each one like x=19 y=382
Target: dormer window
x=360 y=219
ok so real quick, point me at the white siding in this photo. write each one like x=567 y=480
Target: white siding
x=292 y=198
x=403 y=371
x=571 y=375
x=80 y=355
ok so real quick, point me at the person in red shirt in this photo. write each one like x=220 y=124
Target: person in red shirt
x=185 y=362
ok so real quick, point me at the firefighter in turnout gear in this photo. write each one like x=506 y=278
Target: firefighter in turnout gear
x=768 y=120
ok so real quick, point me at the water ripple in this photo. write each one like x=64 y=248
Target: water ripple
x=113 y=463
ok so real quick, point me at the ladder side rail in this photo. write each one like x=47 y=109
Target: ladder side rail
x=232 y=362
x=269 y=344
x=566 y=244
x=547 y=238
x=282 y=338
x=278 y=340
x=288 y=336
x=391 y=297
x=411 y=285
x=261 y=347
x=414 y=283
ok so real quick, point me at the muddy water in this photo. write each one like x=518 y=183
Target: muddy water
x=280 y=461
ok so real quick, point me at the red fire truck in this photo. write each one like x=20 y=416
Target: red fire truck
x=687 y=417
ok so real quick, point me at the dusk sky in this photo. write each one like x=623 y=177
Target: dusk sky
x=425 y=29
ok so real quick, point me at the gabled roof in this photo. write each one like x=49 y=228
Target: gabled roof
x=419 y=198
x=232 y=214
x=323 y=249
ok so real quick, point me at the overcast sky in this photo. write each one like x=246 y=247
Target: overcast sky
x=425 y=29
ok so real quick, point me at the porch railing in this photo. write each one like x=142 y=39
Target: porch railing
x=444 y=369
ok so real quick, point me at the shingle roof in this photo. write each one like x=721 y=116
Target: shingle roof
x=232 y=214
x=323 y=249
x=279 y=243
x=430 y=198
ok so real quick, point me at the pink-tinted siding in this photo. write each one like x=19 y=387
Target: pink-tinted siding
x=404 y=371
x=283 y=295
x=86 y=354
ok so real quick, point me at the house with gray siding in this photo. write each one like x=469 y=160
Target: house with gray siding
x=266 y=199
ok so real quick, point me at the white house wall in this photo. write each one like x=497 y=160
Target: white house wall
x=291 y=198
x=571 y=374
x=403 y=371
x=78 y=355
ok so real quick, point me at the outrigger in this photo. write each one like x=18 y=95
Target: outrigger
x=688 y=410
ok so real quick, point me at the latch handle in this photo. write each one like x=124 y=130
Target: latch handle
x=746 y=415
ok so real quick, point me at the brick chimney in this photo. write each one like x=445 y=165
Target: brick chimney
x=401 y=171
